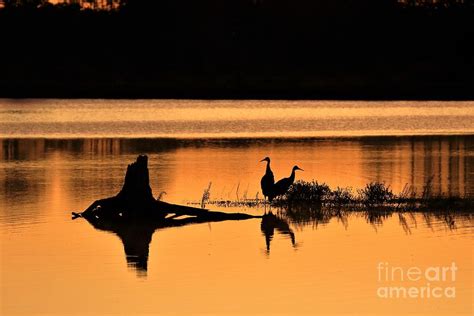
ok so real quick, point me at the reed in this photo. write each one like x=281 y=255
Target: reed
x=206 y=195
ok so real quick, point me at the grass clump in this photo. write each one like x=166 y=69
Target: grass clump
x=375 y=194
x=311 y=192
x=342 y=196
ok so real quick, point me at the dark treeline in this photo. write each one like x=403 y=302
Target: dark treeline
x=238 y=48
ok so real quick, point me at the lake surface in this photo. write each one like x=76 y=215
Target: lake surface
x=202 y=119
x=58 y=156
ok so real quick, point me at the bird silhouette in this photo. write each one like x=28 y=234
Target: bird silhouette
x=282 y=186
x=268 y=180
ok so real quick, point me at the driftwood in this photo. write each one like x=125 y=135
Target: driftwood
x=136 y=202
x=134 y=214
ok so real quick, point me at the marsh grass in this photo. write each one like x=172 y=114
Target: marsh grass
x=309 y=192
x=376 y=193
x=206 y=195
x=375 y=196
x=314 y=203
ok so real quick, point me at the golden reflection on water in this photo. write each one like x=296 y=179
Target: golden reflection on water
x=447 y=161
x=52 y=265
x=231 y=118
x=221 y=110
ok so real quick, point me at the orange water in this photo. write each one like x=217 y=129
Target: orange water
x=195 y=118
x=51 y=265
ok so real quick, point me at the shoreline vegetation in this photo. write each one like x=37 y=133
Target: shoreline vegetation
x=375 y=195
x=238 y=49
x=316 y=203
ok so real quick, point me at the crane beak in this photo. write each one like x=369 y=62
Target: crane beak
x=262 y=160
x=300 y=169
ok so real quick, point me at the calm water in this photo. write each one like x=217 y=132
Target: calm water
x=55 y=160
x=181 y=118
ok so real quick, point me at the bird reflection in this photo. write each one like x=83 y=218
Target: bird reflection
x=270 y=223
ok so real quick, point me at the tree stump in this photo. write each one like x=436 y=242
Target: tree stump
x=135 y=201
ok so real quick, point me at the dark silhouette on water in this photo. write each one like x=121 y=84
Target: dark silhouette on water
x=270 y=223
x=136 y=200
x=134 y=214
x=282 y=186
x=136 y=235
x=268 y=181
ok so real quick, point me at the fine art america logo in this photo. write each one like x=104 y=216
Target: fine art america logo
x=416 y=282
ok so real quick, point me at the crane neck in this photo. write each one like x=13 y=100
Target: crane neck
x=268 y=167
x=292 y=177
